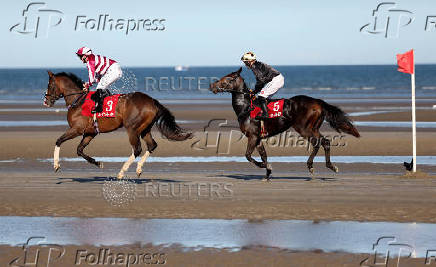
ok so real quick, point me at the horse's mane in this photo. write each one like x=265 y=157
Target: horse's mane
x=76 y=80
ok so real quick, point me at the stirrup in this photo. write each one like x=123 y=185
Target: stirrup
x=263 y=132
x=96 y=123
x=97 y=108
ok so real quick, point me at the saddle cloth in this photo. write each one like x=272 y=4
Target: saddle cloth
x=275 y=109
x=109 y=106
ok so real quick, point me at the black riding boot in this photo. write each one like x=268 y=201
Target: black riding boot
x=98 y=99
x=262 y=104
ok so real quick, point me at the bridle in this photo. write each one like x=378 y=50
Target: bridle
x=250 y=93
x=57 y=97
x=223 y=90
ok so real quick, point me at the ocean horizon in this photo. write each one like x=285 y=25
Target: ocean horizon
x=321 y=81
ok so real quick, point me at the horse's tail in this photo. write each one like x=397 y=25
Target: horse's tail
x=339 y=120
x=167 y=125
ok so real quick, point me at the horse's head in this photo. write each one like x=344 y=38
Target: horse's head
x=53 y=92
x=232 y=82
x=61 y=85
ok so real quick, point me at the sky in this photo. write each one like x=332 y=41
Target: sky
x=216 y=33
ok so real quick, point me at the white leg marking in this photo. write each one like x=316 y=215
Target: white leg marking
x=56 y=157
x=126 y=166
x=141 y=162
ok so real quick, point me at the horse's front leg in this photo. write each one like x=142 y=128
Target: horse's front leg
x=85 y=141
x=262 y=152
x=69 y=134
x=253 y=142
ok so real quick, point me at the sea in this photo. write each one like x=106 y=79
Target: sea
x=192 y=83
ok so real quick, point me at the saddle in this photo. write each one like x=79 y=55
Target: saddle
x=104 y=93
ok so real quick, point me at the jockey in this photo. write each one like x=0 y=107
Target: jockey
x=102 y=70
x=268 y=81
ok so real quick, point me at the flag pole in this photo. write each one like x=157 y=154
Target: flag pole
x=413 y=114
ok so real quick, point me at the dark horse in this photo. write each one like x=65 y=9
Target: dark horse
x=305 y=114
x=137 y=112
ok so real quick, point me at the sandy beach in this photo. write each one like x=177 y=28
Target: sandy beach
x=175 y=256
x=361 y=191
x=367 y=201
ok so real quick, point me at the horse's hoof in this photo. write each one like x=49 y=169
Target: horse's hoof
x=266 y=179
x=57 y=168
x=100 y=165
x=268 y=170
x=120 y=176
x=312 y=170
x=333 y=168
x=139 y=173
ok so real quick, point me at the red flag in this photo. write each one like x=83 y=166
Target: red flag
x=405 y=62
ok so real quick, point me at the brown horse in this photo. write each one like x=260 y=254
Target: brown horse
x=137 y=112
x=305 y=114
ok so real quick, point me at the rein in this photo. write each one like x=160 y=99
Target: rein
x=251 y=107
x=63 y=96
x=77 y=100
x=233 y=91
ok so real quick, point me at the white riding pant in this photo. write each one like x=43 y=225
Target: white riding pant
x=112 y=74
x=273 y=86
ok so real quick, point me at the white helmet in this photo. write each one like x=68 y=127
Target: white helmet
x=249 y=56
x=84 y=51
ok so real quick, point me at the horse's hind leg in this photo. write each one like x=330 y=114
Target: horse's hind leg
x=262 y=152
x=313 y=138
x=326 y=145
x=136 y=151
x=85 y=141
x=151 y=146
x=315 y=144
x=311 y=132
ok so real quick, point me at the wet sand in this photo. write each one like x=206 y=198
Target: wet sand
x=38 y=141
x=359 y=192
x=147 y=255
x=40 y=145
x=293 y=194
